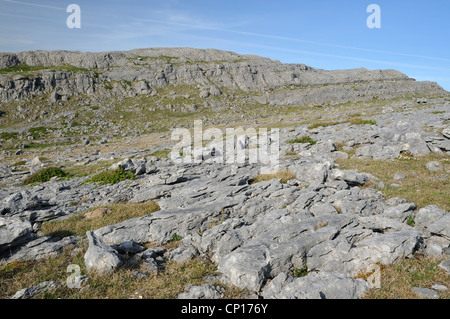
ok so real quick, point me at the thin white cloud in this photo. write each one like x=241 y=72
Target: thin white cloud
x=34 y=4
x=184 y=20
x=212 y=27
x=21 y=16
x=277 y=37
x=394 y=64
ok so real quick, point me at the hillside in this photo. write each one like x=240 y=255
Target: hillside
x=90 y=177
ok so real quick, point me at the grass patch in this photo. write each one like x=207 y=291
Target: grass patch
x=37 y=132
x=161 y=153
x=398 y=279
x=362 y=122
x=176 y=237
x=84 y=170
x=78 y=225
x=38 y=145
x=300 y=272
x=353 y=121
x=8 y=135
x=303 y=139
x=420 y=185
x=45 y=175
x=323 y=124
x=121 y=284
x=111 y=176
x=19 y=163
x=283 y=175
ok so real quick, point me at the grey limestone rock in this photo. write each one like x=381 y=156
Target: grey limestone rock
x=30 y=292
x=41 y=248
x=425 y=293
x=445 y=265
x=205 y=291
x=352 y=178
x=99 y=256
x=434 y=166
x=13 y=232
x=320 y=285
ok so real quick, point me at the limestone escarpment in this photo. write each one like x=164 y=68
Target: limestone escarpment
x=140 y=72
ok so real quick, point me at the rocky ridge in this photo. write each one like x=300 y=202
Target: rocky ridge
x=66 y=74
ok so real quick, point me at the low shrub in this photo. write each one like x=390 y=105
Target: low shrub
x=45 y=175
x=111 y=176
x=303 y=139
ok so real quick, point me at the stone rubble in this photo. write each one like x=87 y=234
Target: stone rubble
x=328 y=220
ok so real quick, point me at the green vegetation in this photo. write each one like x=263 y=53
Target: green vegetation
x=351 y=121
x=19 y=163
x=363 y=122
x=300 y=272
x=38 y=132
x=323 y=124
x=27 y=70
x=176 y=237
x=303 y=139
x=111 y=176
x=410 y=221
x=8 y=135
x=45 y=175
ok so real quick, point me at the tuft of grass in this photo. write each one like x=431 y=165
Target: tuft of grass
x=176 y=237
x=397 y=280
x=45 y=175
x=78 y=225
x=303 y=139
x=300 y=272
x=410 y=221
x=362 y=122
x=111 y=176
x=283 y=175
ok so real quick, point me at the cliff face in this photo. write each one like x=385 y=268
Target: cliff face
x=64 y=74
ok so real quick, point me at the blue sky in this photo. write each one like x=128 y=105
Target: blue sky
x=413 y=38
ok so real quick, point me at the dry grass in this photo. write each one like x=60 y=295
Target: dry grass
x=78 y=225
x=420 y=185
x=398 y=279
x=283 y=175
x=167 y=284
